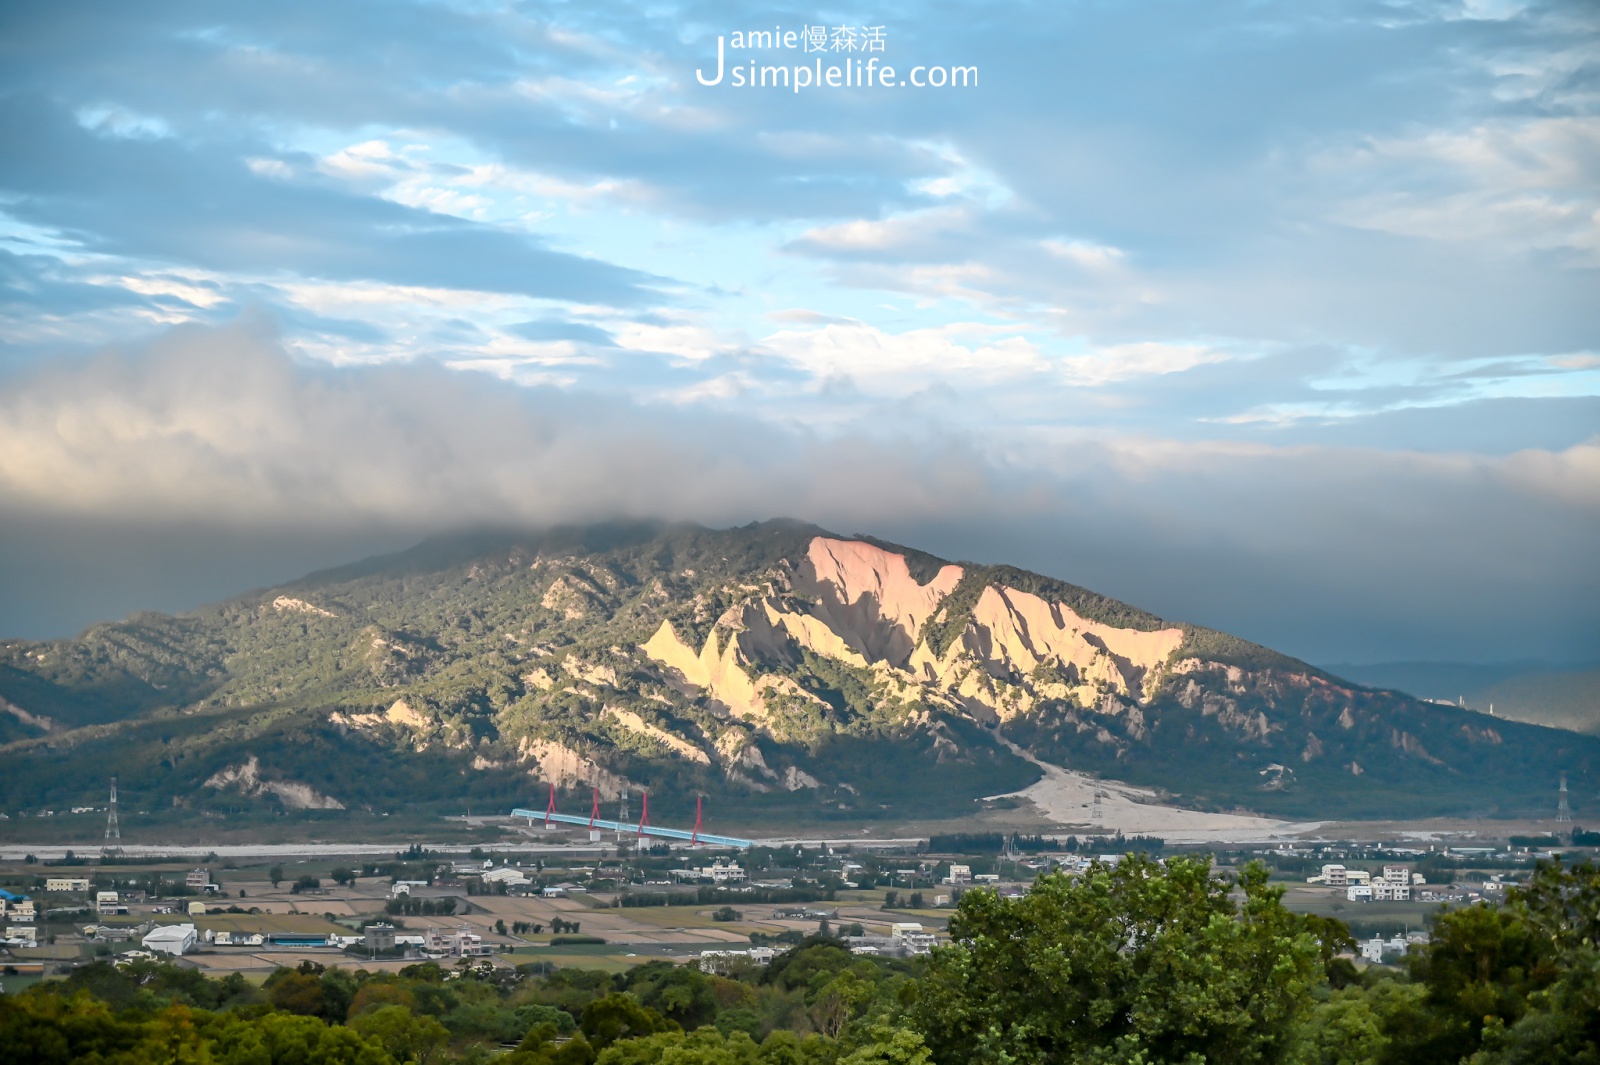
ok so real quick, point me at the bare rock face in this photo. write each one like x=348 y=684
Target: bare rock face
x=246 y=778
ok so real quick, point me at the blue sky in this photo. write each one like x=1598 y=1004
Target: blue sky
x=1283 y=318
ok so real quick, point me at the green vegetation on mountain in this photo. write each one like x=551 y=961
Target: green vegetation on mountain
x=476 y=669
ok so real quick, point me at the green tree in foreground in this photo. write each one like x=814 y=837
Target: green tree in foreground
x=1140 y=962
x=405 y=1035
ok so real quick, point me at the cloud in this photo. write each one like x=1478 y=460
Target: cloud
x=206 y=207
x=219 y=437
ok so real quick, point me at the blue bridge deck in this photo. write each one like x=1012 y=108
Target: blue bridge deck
x=647 y=830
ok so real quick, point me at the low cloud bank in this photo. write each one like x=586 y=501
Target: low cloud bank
x=211 y=460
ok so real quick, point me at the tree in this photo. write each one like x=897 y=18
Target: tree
x=407 y=1036
x=839 y=1001
x=342 y=875
x=500 y=926
x=618 y=1016
x=275 y=874
x=1513 y=983
x=891 y=1046
x=681 y=994
x=1140 y=961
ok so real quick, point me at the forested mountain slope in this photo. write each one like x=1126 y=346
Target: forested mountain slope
x=777 y=665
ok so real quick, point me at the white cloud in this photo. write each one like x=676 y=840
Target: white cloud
x=1517 y=185
x=897 y=363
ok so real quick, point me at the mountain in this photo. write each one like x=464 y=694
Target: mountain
x=1560 y=696
x=777 y=669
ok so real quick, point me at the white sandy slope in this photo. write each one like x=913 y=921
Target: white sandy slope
x=1067 y=798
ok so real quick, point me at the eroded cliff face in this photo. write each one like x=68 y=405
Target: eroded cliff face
x=858 y=604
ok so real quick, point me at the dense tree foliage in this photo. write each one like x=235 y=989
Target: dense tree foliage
x=1129 y=963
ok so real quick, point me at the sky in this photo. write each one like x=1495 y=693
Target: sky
x=1275 y=317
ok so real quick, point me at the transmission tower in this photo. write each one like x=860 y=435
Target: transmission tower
x=114 y=831
x=1563 y=811
x=622 y=816
x=1095 y=813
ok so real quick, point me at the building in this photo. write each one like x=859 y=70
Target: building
x=1332 y=875
x=16 y=907
x=959 y=874
x=911 y=937
x=505 y=875
x=197 y=909
x=718 y=872
x=378 y=936
x=197 y=880
x=1357 y=876
x=1388 y=891
x=173 y=939
x=21 y=935
x=1374 y=949
x=1358 y=893
x=106 y=904
x=296 y=940
x=65 y=883
x=462 y=943
x=1397 y=874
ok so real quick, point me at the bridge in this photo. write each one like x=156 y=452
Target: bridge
x=596 y=824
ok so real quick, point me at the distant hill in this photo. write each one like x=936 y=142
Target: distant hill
x=778 y=668
x=1560 y=696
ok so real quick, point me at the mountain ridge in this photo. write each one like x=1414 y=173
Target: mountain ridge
x=777 y=664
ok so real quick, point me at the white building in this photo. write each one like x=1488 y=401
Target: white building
x=1375 y=948
x=1389 y=891
x=65 y=883
x=1397 y=874
x=462 y=943
x=1332 y=875
x=174 y=939
x=105 y=902
x=506 y=876
x=21 y=935
x=1358 y=892
x=959 y=874
x=911 y=937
